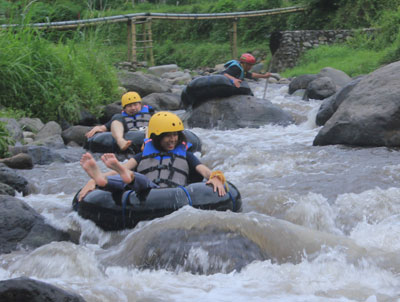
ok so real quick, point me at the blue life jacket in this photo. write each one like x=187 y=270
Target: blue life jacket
x=139 y=120
x=235 y=63
x=166 y=169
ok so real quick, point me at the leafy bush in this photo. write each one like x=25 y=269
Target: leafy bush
x=5 y=140
x=53 y=81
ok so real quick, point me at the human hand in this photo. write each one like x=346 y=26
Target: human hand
x=89 y=187
x=93 y=131
x=217 y=186
x=237 y=82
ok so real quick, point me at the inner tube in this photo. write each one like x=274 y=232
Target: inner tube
x=112 y=212
x=204 y=88
x=105 y=143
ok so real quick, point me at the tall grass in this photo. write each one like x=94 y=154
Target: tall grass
x=53 y=81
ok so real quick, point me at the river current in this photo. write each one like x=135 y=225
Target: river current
x=322 y=224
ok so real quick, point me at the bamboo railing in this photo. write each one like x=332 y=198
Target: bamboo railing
x=144 y=19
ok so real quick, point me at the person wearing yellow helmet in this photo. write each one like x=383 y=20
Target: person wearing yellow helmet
x=135 y=116
x=164 y=162
x=237 y=70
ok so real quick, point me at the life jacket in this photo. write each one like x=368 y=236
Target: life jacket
x=235 y=63
x=166 y=169
x=138 y=121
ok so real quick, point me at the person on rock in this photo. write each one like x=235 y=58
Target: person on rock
x=236 y=71
x=135 y=116
x=164 y=162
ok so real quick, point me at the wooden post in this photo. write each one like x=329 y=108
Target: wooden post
x=234 y=39
x=145 y=44
x=132 y=41
x=150 y=36
x=129 y=40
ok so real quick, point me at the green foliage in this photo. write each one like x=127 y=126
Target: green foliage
x=53 y=81
x=5 y=140
x=352 y=61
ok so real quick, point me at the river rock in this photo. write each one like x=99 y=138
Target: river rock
x=182 y=250
x=11 y=178
x=320 y=88
x=163 y=101
x=53 y=141
x=238 y=111
x=110 y=110
x=331 y=104
x=26 y=289
x=301 y=82
x=6 y=189
x=49 y=129
x=22 y=227
x=19 y=161
x=31 y=124
x=144 y=84
x=13 y=128
x=41 y=155
x=368 y=114
x=340 y=78
x=161 y=69
x=75 y=134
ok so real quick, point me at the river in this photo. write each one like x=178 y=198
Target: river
x=322 y=224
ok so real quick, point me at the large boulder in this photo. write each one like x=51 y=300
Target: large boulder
x=238 y=111
x=369 y=115
x=144 y=84
x=31 y=124
x=22 y=227
x=19 y=161
x=331 y=104
x=26 y=289
x=301 y=82
x=339 y=77
x=163 y=101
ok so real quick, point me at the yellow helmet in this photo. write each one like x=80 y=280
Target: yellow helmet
x=129 y=98
x=162 y=122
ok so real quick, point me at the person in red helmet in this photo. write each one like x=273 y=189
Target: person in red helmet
x=236 y=71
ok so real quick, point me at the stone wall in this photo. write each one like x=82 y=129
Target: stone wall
x=287 y=46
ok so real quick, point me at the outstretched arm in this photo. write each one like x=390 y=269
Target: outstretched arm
x=260 y=75
x=216 y=182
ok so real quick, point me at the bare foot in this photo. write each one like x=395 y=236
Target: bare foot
x=112 y=162
x=124 y=144
x=89 y=165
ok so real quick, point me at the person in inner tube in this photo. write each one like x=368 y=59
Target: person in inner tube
x=164 y=162
x=134 y=116
x=236 y=71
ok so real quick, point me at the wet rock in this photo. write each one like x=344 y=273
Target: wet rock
x=185 y=250
x=238 y=111
x=369 y=115
x=19 y=161
x=86 y=118
x=6 y=189
x=110 y=110
x=26 y=289
x=22 y=227
x=11 y=178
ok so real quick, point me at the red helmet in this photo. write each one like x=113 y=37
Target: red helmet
x=247 y=58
